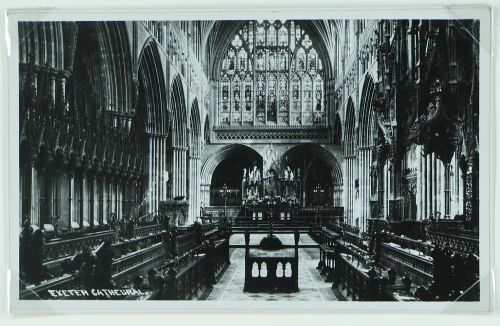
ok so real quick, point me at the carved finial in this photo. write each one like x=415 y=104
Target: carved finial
x=436 y=87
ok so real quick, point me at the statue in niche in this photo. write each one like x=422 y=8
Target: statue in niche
x=248 y=93
x=283 y=62
x=260 y=62
x=271 y=62
x=301 y=64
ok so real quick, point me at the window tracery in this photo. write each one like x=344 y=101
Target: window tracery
x=271 y=75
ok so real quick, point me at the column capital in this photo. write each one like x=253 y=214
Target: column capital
x=180 y=148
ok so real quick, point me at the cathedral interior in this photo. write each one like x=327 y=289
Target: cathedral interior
x=249 y=160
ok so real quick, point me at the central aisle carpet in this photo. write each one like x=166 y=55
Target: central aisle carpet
x=311 y=284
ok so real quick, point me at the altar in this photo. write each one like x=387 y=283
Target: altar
x=268 y=210
x=277 y=182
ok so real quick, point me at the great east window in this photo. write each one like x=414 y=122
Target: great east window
x=271 y=75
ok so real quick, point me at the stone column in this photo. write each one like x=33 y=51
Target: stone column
x=119 y=198
x=361 y=189
x=154 y=174
x=164 y=169
x=364 y=185
x=183 y=171
x=194 y=190
x=418 y=195
x=447 y=196
x=191 y=189
x=105 y=196
x=381 y=185
x=434 y=192
x=442 y=189
x=175 y=172
x=63 y=202
x=346 y=185
x=159 y=148
x=72 y=199
x=35 y=196
x=95 y=198
x=112 y=191
x=460 y=186
x=205 y=194
x=428 y=182
x=150 y=185
x=85 y=198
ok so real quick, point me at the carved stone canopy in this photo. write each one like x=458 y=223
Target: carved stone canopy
x=435 y=129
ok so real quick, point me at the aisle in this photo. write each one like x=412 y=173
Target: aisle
x=311 y=284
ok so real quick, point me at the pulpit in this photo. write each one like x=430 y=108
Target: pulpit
x=270 y=267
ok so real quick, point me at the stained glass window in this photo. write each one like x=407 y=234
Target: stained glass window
x=271 y=75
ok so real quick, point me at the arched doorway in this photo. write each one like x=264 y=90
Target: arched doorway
x=319 y=173
x=227 y=178
x=226 y=167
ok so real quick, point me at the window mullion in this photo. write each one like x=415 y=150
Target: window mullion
x=254 y=90
x=290 y=90
x=266 y=90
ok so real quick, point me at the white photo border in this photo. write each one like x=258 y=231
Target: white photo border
x=486 y=133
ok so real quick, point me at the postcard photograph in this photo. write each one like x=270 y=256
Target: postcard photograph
x=272 y=160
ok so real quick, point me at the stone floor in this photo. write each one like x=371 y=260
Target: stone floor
x=312 y=286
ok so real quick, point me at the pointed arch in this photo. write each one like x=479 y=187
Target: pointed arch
x=268 y=55
x=309 y=156
x=213 y=161
x=178 y=140
x=366 y=119
x=350 y=176
x=152 y=90
x=193 y=166
x=367 y=135
x=195 y=128
x=337 y=130
x=206 y=130
x=153 y=118
x=321 y=153
x=350 y=127
x=179 y=114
